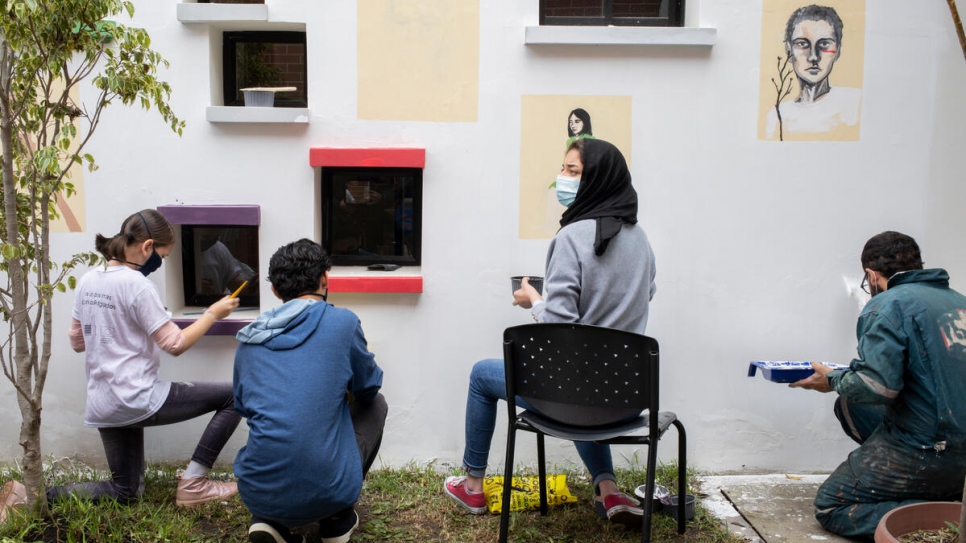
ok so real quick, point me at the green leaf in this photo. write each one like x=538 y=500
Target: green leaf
x=10 y=252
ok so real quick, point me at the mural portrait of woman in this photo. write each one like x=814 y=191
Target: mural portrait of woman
x=803 y=103
x=578 y=125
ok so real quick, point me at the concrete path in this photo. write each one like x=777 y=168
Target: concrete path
x=772 y=508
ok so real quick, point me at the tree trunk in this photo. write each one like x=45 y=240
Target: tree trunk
x=958 y=24
x=23 y=362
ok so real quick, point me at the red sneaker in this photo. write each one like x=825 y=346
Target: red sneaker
x=455 y=488
x=623 y=509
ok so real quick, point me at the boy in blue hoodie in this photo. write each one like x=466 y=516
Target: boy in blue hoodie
x=309 y=387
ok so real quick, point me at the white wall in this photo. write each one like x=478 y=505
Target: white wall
x=754 y=240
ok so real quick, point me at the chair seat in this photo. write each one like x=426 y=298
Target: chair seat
x=618 y=432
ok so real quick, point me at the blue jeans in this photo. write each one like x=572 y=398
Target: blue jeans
x=487 y=385
x=882 y=474
x=124 y=445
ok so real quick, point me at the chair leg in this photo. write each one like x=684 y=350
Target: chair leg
x=682 y=475
x=507 y=483
x=649 y=499
x=542 y=470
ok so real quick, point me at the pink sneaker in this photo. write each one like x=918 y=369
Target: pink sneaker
x=455 y=488
x=199 y=490
x=623 y=509
x=12 y=494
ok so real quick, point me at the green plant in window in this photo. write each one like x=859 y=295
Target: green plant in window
x=253 y=67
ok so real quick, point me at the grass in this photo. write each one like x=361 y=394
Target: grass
x=397 y=504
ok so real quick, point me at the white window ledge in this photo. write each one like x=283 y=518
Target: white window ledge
x=208 y=13
x=241 y=114
x=620 y=35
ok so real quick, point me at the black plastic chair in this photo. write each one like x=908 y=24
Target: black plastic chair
x=587 y=383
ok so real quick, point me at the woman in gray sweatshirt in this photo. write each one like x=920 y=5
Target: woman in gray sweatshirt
x=600 y=271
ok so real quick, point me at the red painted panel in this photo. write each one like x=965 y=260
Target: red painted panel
x=372 y=158
x=360 y=283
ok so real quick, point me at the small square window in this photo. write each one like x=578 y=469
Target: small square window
x=265 y=59
x=612 y=12
x=216 y=260
x=372 y=215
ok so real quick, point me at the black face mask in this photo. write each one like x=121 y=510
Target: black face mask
x=152 y=264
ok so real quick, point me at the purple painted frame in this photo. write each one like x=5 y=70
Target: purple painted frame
x=241 y=214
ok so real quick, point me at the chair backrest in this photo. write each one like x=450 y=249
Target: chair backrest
x=582 y=375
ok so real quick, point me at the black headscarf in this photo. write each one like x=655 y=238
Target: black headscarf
x=605 y=193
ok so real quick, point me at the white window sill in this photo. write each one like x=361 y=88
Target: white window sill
x=207 y=13
x=241 y=114
x=620 y=35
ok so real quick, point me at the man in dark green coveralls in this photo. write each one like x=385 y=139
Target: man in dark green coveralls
x=903 y=399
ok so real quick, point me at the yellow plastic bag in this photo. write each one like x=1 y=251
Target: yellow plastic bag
x=525 y=494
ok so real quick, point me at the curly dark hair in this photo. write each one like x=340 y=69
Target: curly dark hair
x=890 y=253
x=295 y=269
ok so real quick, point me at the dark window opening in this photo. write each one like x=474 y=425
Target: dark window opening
x=612 y=12
x=372 y=215
x=217 y=260
x=265 y=59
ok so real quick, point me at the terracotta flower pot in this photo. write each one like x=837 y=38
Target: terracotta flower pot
x=918 y=516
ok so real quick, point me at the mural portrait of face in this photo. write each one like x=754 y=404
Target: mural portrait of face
x=578 y=123
x=814 y=50
x=813 y=42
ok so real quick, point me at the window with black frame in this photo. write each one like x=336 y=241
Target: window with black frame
x=372 y=215
x=612 y=12
x=217 y=260
x=264 y=59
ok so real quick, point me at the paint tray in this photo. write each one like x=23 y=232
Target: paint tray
x=785 y=371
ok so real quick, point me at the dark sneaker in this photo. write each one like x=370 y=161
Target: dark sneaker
x=455 y=488
x=599 y=508
x=265 y=532
x=623 y=509
x=339 y=527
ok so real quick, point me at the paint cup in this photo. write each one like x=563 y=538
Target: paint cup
x=535 y=282
x=660 y=492
x=671 y=504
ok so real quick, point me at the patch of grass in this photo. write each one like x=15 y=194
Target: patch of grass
x=397 y=504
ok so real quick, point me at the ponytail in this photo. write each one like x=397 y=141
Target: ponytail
x=137 y=228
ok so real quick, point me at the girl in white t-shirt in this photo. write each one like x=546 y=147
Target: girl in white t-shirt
x=122 y=324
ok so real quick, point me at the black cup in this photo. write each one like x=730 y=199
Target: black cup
x=535 y=282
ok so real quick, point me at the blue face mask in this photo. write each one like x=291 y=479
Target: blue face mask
x=152 y=264
x=567 y=189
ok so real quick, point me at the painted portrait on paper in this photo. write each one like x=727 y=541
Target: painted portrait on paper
x=544 y=143
x=811 y=70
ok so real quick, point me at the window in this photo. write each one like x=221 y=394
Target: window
x=216 y=260
x=372 y=215
x=231 y=1
x=612 y=12
x=265 y=59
